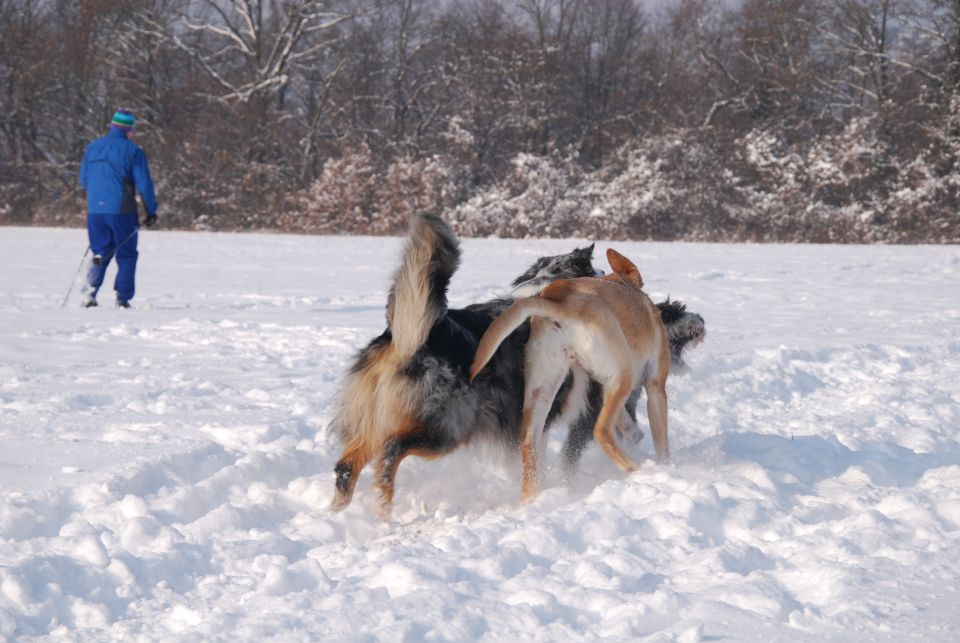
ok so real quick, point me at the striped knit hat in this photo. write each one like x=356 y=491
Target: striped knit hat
x=123 y=120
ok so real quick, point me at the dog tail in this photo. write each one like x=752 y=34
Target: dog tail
x=507 y=322
x=418 y=297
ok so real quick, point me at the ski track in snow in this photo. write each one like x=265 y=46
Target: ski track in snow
x=165 y=471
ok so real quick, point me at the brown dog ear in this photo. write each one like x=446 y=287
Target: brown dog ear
x=624 y=268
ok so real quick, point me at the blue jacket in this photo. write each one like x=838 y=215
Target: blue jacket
x=112 y=167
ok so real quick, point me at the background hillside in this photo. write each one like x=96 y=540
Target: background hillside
x=766 y=120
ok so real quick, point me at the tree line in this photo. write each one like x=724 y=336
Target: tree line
x=761 y=120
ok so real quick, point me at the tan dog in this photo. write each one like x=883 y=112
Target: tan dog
x=606 y=327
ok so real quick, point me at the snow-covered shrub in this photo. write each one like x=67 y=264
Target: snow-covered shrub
x=628 y=196
x=341 y=199
x=69 y=210
x=8 y=195
x=538 y=198
x=924 y=206
x=410 y=187
x=692 y=184
x=354 y=196
x=834 y=189
x=655 y=188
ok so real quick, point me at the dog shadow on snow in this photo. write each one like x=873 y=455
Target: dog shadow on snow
x=794 y=464
x=810 y=459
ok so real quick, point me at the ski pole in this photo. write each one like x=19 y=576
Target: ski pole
x=83 y=259
x=119 y=245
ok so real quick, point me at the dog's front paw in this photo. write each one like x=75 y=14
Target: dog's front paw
x=529 y=493
x=383 y=511
x=339 y=502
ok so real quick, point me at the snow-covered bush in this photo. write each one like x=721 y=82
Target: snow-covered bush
x=411 y=187
x=341 y=199
x=354 y=196
x=537 y=198
x=692 y=184
x=664 y=187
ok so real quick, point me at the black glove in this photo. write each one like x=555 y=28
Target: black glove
x=151 y=219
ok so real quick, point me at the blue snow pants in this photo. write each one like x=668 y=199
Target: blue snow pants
x=114 y=235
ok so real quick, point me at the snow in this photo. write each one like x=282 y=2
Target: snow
x=165 y=471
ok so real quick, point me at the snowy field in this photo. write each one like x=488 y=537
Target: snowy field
x=165 y=471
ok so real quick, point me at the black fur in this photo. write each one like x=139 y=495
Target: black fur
x=544 y=270
x=344 y=473
x=671 y=310
x=683 y=329
x=490 y=407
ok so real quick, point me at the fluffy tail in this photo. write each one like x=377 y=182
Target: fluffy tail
x=418 y=297
x=507 y=322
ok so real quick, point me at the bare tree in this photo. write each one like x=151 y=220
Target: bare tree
x=757 y=119
x=859 y=35
x=248 y=47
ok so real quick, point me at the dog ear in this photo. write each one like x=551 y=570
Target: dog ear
x=585 y=253
x=624 y=268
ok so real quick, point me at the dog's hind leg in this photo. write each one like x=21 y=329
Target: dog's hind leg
x=615 y=394
x=419 y=443
x=544 y=371
x=627 y=429
x=657 y=414
x=535 y=409
x=352 y=461
x=610 y=363
x=578 y=411
x=581 y=429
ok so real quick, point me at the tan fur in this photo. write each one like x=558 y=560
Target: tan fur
x=406 y=309
x=607 y=327
x=623 y=270
x=373 y=399
x=377 y=405
x=507 y=322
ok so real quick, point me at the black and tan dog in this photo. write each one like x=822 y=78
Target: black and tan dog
x=605 y=329
x=409 y=391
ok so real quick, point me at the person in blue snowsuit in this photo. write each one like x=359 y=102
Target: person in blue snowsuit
x=113 y=168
